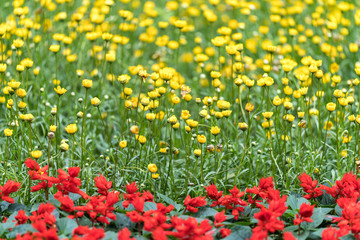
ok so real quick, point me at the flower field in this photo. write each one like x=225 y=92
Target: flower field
x=183 y=119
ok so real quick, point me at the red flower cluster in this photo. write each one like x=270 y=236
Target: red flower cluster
x=8 y=188
x=305 y=213
x=232 y=202
x=161 y=222
x=269 y=217
x=191 y=204
x=309 y=186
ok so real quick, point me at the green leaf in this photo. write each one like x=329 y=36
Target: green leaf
x=348 y=237
x=20 y=229
x=4 y=205
x=295 y=202
x=317 y=217
x=149 y=206
x=205 y=212
x=317 y=233
x=15 y=207
x=110 y=235
x=4 y=227
x=239 y=233
x=66 y=225
x=338 y=210
x=123 y=221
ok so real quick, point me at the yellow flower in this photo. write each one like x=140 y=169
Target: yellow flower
x=22 y=105
x=215 y=130
x=343 y=101
x=192 y=123
x=152 y=168
x=8 y=132
x=124 y=78
x=201 y=139
x=249 y=107
x=64 y=146
x=54 y=48
x=18 y=43
x=172 y=120
x=53 y=128
x=167 y=73
x=134 y=129
x=328 y=125
x=243 y=126
x=36 y=154
x=95 y=101
x=123 y=144
x=87 y=83
x=331 y=106
x=21 y=93
x=60 y=91
x=185 y=114
x=197 y=152
x=150 y=116
x=344 y=153
x=277 y=101
x=267 y=115
x=352 y=118
x=71 y=128
x=141 y=139
x=155 y=176
x=3 y=67
x=346 y=139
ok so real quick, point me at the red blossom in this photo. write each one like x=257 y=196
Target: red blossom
x=190 y=229
x=102 y=184
x=309 y=186
x=288 y=236
x=8 y=188
x=124 y=234
x=192 y=204
x=21 y=217
x=234 y=202
x=305 y=213
x=219 y=218
x=69 y=183
x=213 y=193
x=224 y=232
x=261 y=191
x=84 y=232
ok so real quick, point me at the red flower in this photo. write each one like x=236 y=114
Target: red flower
x=9 y=187
x=219 y=218
x=67 y=204
x=224 y=232
x=100 y=208
x=21 y=217
x=332 y=233
x=69 y=183
x=265 y=185
x=138 y=204
x=213 y=194
x=305 y=213
x=131 y=188
x=102 y=184
x=268 y=218
x=309 y=186
x=234 y=201
x=125 y=235
x=88 y=234
x=288 y=236
x=190 y=229
x=191 y=204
